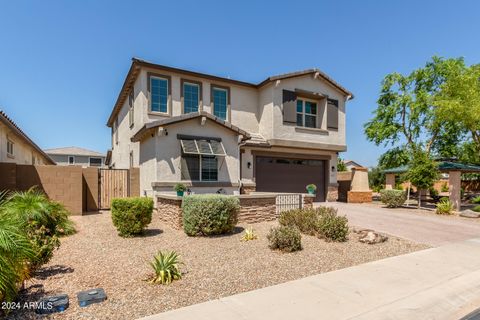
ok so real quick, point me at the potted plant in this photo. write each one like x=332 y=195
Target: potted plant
x=180 y=188
x=311 y=188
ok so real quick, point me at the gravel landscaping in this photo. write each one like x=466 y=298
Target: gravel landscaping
x=214 y=267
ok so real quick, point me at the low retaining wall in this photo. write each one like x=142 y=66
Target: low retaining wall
x=253 y=208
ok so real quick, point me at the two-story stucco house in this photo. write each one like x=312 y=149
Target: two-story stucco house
x=217 y=134
x=17 y=147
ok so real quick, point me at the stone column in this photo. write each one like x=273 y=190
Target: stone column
x=360 y=191
x=390 y=181
x=454 y=186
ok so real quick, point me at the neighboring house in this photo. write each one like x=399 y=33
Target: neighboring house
x=75 y=156
x=351 y=164
x=17 y=147
x=217 y=134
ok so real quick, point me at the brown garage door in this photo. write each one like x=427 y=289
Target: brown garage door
x=290 y=175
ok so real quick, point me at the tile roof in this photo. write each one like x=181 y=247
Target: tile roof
x=74 y=151
x=14 y=127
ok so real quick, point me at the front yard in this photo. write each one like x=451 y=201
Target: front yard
x=213 y=266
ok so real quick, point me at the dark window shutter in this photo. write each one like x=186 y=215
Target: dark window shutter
x=332 y=114
x=289 y=107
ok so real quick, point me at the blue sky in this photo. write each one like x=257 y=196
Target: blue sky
x=62 y=63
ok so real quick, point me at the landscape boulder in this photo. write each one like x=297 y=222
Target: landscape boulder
x=370 y=236
x=469 y=214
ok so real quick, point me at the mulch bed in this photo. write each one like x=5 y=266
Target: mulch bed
x=213 y=267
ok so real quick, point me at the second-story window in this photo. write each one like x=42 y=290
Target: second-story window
x=306 y=113
x=10 y=150
x=131 y=114
x=191 y=97
x=220 y=102
x=158 y=94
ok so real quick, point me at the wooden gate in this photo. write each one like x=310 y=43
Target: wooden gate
x=113 y=183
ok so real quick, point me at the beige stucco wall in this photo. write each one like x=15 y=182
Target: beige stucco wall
x=288 y=132
x=84 y=161
x=23 y=152
x=160 y=156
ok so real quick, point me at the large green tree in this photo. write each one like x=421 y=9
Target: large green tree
x=406 y=115
x=458 y=101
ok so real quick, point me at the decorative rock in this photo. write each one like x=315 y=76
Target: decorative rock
x=89 y=297
x=371 y=237
x=52 y=304
x=470 y=214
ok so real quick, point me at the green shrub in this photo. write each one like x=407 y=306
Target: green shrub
x=306 y=220
x=180 y=187
x=331 y=226
x=43 y=242
x=476 y=209
x=444 y=206
x=393 y=198
x=208 y=214
x=322 y=222
x=165 y=266
x=433 y=192
x=131 y=215
x=285 y=238
x=476 y=200
x=444 y=187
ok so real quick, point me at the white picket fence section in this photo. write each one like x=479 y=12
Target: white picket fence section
x=284 y=202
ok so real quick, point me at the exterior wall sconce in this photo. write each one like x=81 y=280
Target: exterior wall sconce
x=249 y=165
x=333 y=168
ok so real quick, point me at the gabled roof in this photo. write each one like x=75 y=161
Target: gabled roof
x=15 y=128
x=184 y=117
x=74 y=151
x=137 y=64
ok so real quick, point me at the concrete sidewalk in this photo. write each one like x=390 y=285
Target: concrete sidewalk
x=437 y=283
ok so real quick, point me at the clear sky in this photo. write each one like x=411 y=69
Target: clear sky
x=62 y=63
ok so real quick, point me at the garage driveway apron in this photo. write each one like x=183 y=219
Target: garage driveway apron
x=428 y=229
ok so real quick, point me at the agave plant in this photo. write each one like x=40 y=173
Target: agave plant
x=249 y=234
x=15 y=252
x=445 y=206
x=165 y=266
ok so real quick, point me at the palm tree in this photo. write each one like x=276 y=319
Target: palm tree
x=15 y=252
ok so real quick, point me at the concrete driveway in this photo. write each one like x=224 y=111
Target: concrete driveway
x=405 y=223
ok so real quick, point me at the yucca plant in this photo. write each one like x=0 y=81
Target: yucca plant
x=249 y=234
x=15 y=252
x=166 y=267
x=444 y=206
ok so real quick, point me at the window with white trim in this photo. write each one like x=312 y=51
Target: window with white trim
x=10 y=148
x=191 y=97
x=158 y=94
x=220 y=102
x=306 y=113
x=199 y=160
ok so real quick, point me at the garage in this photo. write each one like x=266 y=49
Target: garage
x=274 y=174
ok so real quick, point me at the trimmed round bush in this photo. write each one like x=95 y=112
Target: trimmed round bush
x=209 y=214
x=285 y=238
x=331 y=226
x=393 y=198
x=131 y=215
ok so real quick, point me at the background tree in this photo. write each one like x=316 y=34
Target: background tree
x=341 y=165
x=422 y=172
x=459 y=100
x=405 y=114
